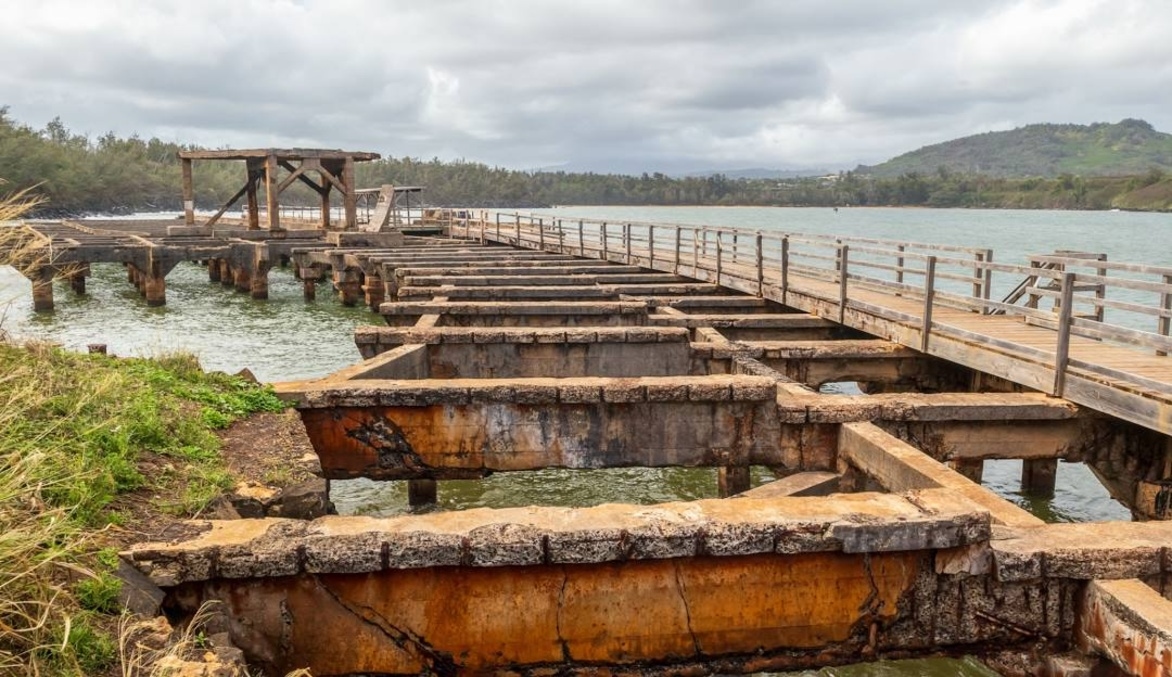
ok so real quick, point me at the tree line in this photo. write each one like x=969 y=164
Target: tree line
x=77 y=174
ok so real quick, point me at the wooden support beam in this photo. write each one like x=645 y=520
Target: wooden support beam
x=228 y=205
x=350 y=196
x=272 y=193
x=255 y=174
x=188 y=193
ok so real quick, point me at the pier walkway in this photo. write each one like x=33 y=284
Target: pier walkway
x=1075 y=326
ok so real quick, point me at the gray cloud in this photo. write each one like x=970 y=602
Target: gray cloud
x=606 y=85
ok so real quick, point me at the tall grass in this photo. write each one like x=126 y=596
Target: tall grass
x=75 y=431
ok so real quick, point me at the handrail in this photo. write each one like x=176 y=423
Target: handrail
x=939 y=276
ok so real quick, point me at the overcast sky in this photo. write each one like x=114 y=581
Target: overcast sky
x=609 y=85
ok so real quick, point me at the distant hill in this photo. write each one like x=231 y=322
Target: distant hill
x=1046 y=150
x=757 y=173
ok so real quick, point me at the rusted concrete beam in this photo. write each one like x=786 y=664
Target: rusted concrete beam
x=519 y=314
x=545 y=352
x=455 y=428
x=817 y=581
x=897 y=466
x=1084 y=551
x=536 y=292
x=547 y=278
x=797 y=484
x=1128 y=623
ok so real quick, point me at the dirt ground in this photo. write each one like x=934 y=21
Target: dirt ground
x=270 y=449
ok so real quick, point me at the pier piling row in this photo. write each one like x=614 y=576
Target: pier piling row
x=519 y=343
x=588 y=346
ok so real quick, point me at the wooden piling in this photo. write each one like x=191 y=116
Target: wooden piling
x=422 y=493
x=1038 y=476
x=732 y=480
x=43 y=290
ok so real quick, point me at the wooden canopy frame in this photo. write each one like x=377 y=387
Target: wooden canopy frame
x=334 y=167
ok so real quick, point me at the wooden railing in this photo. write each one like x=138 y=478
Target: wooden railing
x=1066 y=291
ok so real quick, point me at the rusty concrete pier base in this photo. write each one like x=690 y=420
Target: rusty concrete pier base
x=42 y=280
x=422 y=493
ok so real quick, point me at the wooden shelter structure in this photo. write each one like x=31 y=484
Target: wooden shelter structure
x=335 y=169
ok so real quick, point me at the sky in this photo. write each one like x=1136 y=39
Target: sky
x=599 y=85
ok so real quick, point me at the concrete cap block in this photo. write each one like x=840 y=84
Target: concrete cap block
x=621 y=391
x=716 y=391
x=504 y=545
x=579 y=394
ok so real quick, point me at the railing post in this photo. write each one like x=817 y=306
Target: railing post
x=929 y=298
x=736 y=246
x=541 y=234
x=602 y=236
x=627 y=242
x=1165 y=323
x=675 y=268
x=978 y=278
x=1062 y=352
x=517 y=231
x=704 y=243
x=843 y=254
x=483 y=225
x=581 y=240
x=784 y=268
x=1100 y=290
x=987 y=284
x=899 y=267
x=498 y=226
x=719 y=255
x=695 y=253
x=760 y=266
x=651 y=247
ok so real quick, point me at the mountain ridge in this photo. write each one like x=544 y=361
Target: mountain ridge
x=1128 y=147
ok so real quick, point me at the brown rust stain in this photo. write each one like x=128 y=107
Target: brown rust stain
x=655 y=611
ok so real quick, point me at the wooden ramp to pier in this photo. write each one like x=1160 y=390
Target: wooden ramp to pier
x=1075 y=326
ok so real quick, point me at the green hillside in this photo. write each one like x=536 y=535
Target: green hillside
x=1129 y=147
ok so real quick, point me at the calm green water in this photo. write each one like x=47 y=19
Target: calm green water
x=286 y=338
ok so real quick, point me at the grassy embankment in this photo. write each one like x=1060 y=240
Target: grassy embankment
x=78 y=434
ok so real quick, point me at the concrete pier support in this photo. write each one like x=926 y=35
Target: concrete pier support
x=226 y=277
x=213 y=270
x=259 y=288
x=77 y=283
x=374 y=291
x=972 y=468
x=349 y=286
x=242 y=279
x=131 y=274
x=1038 y=476
x=42 y=290
x=155 y=287
x=309 y=288
x=732 y=480
x=258 y=268
x=421 y=493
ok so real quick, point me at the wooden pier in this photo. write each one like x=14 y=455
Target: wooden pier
x=520 y=343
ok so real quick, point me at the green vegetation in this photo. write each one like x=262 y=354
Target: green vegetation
x=1130 y=147
x=77 y=433
x=1098 y=166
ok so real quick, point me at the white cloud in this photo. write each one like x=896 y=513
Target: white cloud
x=610 y=84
